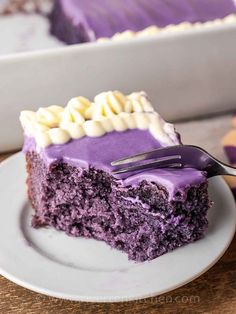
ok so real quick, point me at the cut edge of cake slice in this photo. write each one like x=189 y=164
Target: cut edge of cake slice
x=71 y=188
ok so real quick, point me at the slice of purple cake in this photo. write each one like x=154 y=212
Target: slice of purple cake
x=76 y=21
x=71 y=188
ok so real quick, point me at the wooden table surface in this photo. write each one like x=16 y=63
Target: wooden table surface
x=213 y=292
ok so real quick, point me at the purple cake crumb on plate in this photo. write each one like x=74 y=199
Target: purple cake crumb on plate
x=77 y=21
x=71 y=187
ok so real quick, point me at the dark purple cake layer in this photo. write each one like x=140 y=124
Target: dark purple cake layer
x=75 y=21
x=139 y=220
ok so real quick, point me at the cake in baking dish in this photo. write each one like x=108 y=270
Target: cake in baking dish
x=77 y=21
x=72 y=188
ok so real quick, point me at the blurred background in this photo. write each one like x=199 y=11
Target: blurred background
x=186 y=62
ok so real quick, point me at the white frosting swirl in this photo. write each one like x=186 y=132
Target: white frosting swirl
x=110 y=111
x=108 y=104
x=155 y=30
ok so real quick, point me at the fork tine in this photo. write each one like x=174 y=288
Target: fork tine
x=156 y=153
x=134 y=158
x=159 y=160
x=157 y=164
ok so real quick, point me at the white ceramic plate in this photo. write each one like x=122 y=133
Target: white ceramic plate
x=52 y=263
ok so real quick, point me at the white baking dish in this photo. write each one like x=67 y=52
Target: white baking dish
x=187 y=74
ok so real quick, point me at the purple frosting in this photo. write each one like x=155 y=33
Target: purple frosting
x=103 y=18
x=101 y=151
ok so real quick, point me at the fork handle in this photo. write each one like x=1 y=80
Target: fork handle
x=228 y=170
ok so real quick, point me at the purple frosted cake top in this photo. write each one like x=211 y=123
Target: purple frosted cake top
x=99 y=152
x=113 y=126
x=104 y=18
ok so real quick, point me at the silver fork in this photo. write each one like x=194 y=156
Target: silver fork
x=180 y=156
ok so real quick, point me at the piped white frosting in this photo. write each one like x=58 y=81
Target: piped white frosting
x=110 y=111
x=155 y=30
